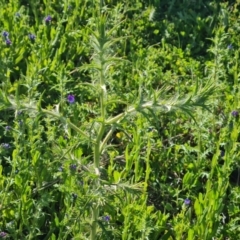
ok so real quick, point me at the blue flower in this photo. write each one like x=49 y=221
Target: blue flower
x=5 y=34
x=230 y=46
x=73 y=167
x=5 y=145
x=71 y=98
x=31 y=36
x=48 y=19
x=187 y=201
x=7 y=128
x=8 y=42
x=234 y=113
x=106 y=218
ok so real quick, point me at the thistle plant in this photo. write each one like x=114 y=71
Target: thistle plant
x=99 y=132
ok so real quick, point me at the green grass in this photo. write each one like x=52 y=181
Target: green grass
x=148 y=145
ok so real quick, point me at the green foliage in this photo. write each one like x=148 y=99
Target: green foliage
x=119 y=119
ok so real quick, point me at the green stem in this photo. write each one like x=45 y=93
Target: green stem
x=98 y=146
x=105 y=140
x=97 y=153
x=101 y=5
x=97 y=149
x=120 y=116
x=70 y=124
x=95 y=214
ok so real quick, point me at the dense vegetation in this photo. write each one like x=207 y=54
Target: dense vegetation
x=119 y=119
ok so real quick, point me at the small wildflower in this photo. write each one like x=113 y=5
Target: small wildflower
x=8 y=42
x=7 y=128
x=48 y=19
x=234 y=113
x=187 y=201
x=31 y=36
x=3 y=234
x=71 y=98
x=5 y=145
x=60 y=169
x=106 y=218
x=5 y=34
x=230 y=46
x=73 y=167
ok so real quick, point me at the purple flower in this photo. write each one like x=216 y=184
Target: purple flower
x=7 y=128
x=5 y=34
x=106 y=218
x=3 y=234
x=5 y=145
x=31 y=36
x=234 y=113
x=187 y=201
x=71 y=98
x=48 y=19
x=8 y=42
x=73 y=167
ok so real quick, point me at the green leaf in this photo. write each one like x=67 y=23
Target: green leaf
x=117 y=176
x=190 y=234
